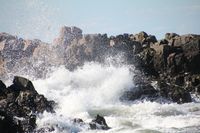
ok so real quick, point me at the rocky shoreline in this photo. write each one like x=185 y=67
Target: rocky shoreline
x=20 y=105
x=168 y=68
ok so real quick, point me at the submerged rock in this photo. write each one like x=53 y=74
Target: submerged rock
x=99 y=123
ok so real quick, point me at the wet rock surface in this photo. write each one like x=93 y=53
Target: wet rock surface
x=173 y=61
x=99 y=123
x=19 y=105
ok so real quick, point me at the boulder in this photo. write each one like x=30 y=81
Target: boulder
x=145 y=60
x=141 y=91
x=67 y=35
x=99 y=123
x=180 y=95
x=23 y=83
x=170 y=36
x=22 y=102
x=144 y=38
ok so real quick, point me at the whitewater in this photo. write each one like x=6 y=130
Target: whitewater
x=96 y=89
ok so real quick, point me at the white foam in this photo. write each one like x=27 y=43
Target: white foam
x=95 y=89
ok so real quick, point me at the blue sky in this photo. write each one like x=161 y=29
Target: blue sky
x=42 y=18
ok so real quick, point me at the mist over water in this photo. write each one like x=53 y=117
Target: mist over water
x=95 y=89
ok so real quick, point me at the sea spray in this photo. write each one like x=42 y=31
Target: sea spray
x=95 y=89
x=78 y=93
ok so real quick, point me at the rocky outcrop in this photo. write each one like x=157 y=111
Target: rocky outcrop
x=32 y=57
x=174 y=62
x=164 y=60
x=19 y=105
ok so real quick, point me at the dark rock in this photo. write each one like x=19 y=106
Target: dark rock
x=174 y=92
x=167 y=59
x=78 y=120
x=23 y=83
x=146 y=61
x=2 y=90
x=8 y=125
x=140 y=91
x=194 y=63
x=179 y=80
x=169 y=36
x=99 y=123
x=163 y=41
x=22 y=101
x=163 y=88
x=180 y=95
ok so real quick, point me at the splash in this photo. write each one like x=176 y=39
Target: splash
x=95 y=89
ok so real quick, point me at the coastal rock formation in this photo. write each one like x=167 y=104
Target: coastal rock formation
x=19 y=104
x=173 y=62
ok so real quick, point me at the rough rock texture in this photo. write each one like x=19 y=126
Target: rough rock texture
x=174 y=60
x=19 y=56
x=19 y=104
x=99 y=123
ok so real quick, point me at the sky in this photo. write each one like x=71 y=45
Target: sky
x=42 y=19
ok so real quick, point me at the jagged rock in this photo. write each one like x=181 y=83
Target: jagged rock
x=180 y=95
x=99 y=123
x=2 y=90
x=21 y=100
x=140 y=91
x=144 y=38
x=174 y=92
x=23 y=83
x=67 y=35
x=170 y=57
x=78 y=120
x=146 y=61
x=169 y=36
x=8 y=125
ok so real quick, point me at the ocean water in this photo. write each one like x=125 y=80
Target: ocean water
x=95 y=89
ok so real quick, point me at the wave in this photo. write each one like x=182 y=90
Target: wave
x=95 y=89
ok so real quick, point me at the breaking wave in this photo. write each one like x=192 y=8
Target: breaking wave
x=95 y=89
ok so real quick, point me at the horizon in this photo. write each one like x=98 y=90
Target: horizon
x=42 y=19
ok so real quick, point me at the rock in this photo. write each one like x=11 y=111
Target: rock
x=99 y=123
x=23 y=83
x=179 y=80
x=141 y=91
x=8 y=125
x=67 y=35
x=166 y=59
x=151 y=39
x=180 y=95
x=174 y=92
x=170 y=36
x=78 y=120
x=2 y=88
x=179 y=40
x=144 y=38
x=22 y=102
x=146 y=61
